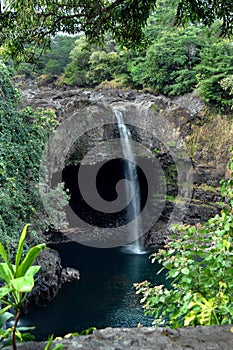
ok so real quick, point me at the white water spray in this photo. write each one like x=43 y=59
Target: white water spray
x=130 y=172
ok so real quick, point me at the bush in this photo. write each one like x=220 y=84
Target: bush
x=216 y=65
x=198 y=264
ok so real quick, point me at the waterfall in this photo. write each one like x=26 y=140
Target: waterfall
x=130 y=173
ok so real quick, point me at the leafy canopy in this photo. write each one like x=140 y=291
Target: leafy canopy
x=28 y=22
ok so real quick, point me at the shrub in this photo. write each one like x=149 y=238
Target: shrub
x=198 y=264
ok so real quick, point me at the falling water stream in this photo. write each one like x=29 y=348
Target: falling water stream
x=130 y=173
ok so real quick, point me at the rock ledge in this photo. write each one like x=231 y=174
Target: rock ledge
x=148 y=338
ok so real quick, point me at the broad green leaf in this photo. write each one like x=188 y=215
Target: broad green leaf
x=4 y=333
x=185 y=271
x=5 y=317
x=188 y=319
x=3 y=253
x=4 y=257
x=2 y=311
x=24 y=329
x=50 y=340
x=58 y=347
x=25 y=336
x=29 y=259
x=5 y=273
x=33 y=270
x=23 y=284
x=226 y=244
x=20 y=246
x=4 y=291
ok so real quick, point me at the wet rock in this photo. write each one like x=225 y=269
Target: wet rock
x=69 y=274
x=49 y=280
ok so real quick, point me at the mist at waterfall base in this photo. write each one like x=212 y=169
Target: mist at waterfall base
x=104 y=296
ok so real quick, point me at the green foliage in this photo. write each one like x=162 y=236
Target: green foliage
x=76 y=70
x=18 y=281
x=50 y=343
x=215 y=66
x=23 y=134
x=102 y=66
x=67 y=336
x=227 y=85
x=53 y=61
x=93 y=65
x=176 y=61
x=22 y=334
x=206 y=12
x=169 y=62
x=198 y=264
x=54 y=201
x=18 y=278
x=24 y=27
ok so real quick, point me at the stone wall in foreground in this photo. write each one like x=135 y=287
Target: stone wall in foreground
x=148 y=338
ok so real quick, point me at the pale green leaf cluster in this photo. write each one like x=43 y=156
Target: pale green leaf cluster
x=18 y=278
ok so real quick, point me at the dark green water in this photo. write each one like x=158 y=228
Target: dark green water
x=103 y=297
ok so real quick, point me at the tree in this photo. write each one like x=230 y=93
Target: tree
x=23 y=23
x=76 y=70
x=216 y=65
x=168 y=65
x=54 y=61
x=90 y=67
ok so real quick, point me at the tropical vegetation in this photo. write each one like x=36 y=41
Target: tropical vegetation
x=26 y=27
x=199 y=263
x=23 y=134
x=173 y=62
x=18 y=281
x=120 y=44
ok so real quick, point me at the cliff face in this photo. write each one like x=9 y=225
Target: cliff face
x=165 y=127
